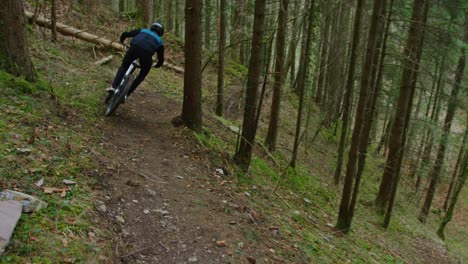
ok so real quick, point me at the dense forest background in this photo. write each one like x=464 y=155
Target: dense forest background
x=367 y=99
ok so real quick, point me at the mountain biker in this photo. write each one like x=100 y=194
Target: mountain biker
x=144 y=44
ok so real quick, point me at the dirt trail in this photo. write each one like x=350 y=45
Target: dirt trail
x=163 y=186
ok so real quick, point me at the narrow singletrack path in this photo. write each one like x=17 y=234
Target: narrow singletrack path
x=162 y=194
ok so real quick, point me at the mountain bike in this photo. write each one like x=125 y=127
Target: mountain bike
x=119 y=95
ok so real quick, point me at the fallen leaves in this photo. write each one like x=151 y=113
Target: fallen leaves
x=221 y=243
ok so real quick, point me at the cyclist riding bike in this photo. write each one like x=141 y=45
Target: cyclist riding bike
x=144 y=44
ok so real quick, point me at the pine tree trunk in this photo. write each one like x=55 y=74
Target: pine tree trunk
x=397 y=139
x=458 y=168
x=323 y=60
x=207 y=24
x=221 y=61
x=349 y=90
x=191 y=109
x=453 y=201
x=169 y=16
x=279 y=74
x=439 y=162
x=346 y=210
x=14 y=50
x=302 y=83
x=243 y=155
x=177 y=19
x=53 y=20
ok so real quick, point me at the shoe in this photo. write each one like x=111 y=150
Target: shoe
x=110 y=90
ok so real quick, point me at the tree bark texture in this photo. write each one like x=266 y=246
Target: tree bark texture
x=221 y=61
x=398 y=136
x=15 y=57
x=302 y=82
x=243 y=155
x=191 y=109
x=349 y=89
x=439 y=162
x=279 y=76
x=346 y=211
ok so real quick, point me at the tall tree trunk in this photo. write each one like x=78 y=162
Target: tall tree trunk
x=397 y=139
x=14 y=51
x=302 y=57
x=291 y=57
x=53 y=20
x=451 y=108
x=191 y=109
x=207 y=24
x=243 y=155
x=375 y=87
x=460 y=182
x=302 y=83
x=351 y=184
x=279 y=74
x=458 y=167
x=170 y=17
x=323 y=60
x=221 y=62
x=349 y=90
x=177 y=19
x=407 y=90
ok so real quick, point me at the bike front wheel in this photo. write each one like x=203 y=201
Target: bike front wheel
x=119 y=95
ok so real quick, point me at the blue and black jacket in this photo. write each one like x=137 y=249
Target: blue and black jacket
x=147 y=40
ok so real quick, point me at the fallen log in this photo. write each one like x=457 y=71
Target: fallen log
x=104 y=60
x=85 y=36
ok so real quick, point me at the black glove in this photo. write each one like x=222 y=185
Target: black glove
x=159 y=64
x=123 y=37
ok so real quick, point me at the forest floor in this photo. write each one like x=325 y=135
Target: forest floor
x=175 y=207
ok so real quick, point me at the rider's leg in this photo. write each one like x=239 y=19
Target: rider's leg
x=130 y=56
x=146 y=61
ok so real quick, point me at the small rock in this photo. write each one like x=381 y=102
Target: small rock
x=102 y=208
x=135 y=201
x=163 y=212
x=193 y=259
x=251 y=260
x=247 y=194
x=232 y=222
x=296 y=212
x=179 y=177
x=307 y=200
x=330 y=225
x=272 y=251
x=146 y=211
x=151 y=192
x=120 y=219
x=220 y=171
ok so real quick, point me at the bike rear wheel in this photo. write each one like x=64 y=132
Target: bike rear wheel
x=119 y=95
